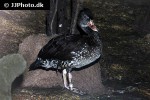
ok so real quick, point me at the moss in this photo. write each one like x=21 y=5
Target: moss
x=11 y=67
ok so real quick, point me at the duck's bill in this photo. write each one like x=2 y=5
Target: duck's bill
x=92 y=26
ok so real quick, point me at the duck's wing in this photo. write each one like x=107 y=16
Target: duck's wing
x=61 y=47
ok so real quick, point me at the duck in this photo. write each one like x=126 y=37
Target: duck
x=71 y=51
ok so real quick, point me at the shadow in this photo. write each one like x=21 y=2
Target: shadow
x=17 y=82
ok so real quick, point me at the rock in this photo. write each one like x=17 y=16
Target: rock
x=11 y=67
x=16 y=25
x=31 y=45
x=29 y=49
x=88 y=79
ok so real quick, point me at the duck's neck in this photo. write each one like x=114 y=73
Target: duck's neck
x=97 y=37
x=93 y=34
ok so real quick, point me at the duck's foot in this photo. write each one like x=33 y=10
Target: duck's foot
x=67 y=87
x=75 y=90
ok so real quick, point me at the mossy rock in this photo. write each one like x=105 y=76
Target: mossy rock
x=11 y=67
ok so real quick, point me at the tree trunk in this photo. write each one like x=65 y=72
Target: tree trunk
x=57 y=18
x=60 y=19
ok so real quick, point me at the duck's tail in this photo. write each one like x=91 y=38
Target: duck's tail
x=35 y=65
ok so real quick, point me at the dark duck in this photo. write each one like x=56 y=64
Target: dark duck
x=66 y=52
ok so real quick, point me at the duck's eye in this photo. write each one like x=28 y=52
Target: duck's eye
x=86 y=17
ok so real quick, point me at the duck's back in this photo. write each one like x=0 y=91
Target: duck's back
x=78 y=50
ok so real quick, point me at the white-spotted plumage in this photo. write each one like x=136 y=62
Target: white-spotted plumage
x=66 y=52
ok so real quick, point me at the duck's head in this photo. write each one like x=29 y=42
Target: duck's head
x=85 y=21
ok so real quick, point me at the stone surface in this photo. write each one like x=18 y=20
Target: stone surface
x=11 y=67
x=31 y=45
x=16 y=25
x=88 y=80
x=29 y=49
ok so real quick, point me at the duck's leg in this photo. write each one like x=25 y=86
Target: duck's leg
x=70 y=81
x=65 y=78
x=75 y=90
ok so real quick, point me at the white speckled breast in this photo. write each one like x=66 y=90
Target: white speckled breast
x=80 y=58
x=84 y=57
